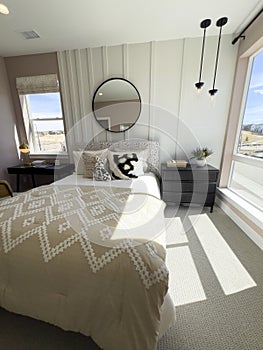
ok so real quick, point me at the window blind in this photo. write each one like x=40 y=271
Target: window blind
x=37 y=84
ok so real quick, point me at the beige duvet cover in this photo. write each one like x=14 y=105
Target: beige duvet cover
x=87 y=260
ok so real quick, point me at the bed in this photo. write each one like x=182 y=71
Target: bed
x=89 y=258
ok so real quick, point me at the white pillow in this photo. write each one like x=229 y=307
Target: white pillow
x=78 y=160
x=125 y=164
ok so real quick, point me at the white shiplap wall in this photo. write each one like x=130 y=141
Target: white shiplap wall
x=164 y=73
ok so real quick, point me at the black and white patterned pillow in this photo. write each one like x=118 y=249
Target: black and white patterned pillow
x=125 y=165
x=99 y=172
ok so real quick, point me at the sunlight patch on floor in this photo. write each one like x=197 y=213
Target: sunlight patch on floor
x=175 y=233
x=184 y=283
x=231 y=274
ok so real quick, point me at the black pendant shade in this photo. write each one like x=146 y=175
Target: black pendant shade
x=219 y=23
x=204 y=24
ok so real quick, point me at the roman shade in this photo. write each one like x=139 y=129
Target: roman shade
x=37 y=84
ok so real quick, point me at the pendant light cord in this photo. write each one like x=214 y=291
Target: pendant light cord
x=217 y=56
x=202 y=56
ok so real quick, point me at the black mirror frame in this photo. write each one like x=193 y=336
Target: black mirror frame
x=93 y=103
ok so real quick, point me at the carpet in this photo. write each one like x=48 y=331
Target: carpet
x=219 y=321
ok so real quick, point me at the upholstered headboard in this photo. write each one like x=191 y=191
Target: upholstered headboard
x=153 y=158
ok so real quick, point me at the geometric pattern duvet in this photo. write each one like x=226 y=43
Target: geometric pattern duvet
x=103 y=230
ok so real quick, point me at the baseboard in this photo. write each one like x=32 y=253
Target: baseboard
x=248 y=230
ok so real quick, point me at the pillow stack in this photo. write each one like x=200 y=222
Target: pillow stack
x=85 y=161
x=122 y=164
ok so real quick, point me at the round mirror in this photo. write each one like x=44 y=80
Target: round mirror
x=116 y=104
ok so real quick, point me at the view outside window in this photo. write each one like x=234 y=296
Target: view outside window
x=246 y=178
x=251 y=137
x=46 y=122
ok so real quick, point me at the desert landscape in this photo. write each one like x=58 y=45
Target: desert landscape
x=251 y=144
x=52 y=141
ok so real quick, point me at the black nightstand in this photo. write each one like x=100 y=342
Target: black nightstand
x=196 y=185
x=59 y=171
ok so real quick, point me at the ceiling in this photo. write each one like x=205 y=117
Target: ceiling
x=64 y=24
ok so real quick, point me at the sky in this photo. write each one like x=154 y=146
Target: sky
x=46 y=105
x=254 y=106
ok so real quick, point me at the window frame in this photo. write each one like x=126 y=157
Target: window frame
x=31 y=135
x=238 y=157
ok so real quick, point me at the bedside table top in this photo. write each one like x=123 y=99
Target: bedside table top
x=189 y=167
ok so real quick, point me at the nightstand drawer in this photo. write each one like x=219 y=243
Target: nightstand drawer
x=194 y=198
x=178 y=186
x=186 y=175
x=174 y=197
x=172 y=175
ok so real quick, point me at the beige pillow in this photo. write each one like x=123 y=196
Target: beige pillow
x=90 y=159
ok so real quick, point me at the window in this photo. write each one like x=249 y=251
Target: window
x=251 y=134
x=246 y=178
x=42 y=113
x=45 y=122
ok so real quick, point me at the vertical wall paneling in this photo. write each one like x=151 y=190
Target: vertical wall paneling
x=139 y=71
x=105 y=70
x=73 y=87
x=80 y=92
x=85 y=102
x=125 y=62
x=125 y=73
x=64 y=92
x=105 y=74
x=97 y=62
x=67 y=97
x=89 y=64
x=115 y=62
x=151 y=88
x=164 y=72
x=90 y=70
x=114 y=65
x=86 y=82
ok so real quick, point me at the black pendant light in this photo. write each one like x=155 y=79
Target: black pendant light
x=219 y=23
x=204 y=24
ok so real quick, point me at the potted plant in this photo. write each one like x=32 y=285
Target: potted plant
x=200 y=155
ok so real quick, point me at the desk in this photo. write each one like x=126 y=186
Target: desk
x=59 y=171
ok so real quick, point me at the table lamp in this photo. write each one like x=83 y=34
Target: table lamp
x=24 y=149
